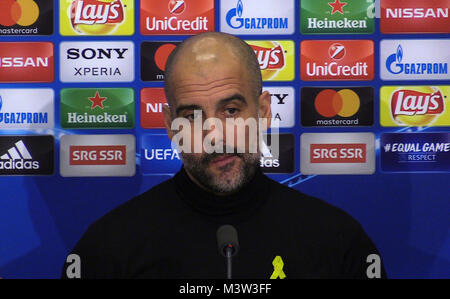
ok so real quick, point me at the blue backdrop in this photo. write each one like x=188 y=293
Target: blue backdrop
x=407 y=215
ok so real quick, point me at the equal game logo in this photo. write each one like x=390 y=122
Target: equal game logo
x=26 y=109
x=88 y=108
x=159 y=155
x=276 y=59
x=257 y=17
x=336 y=17
x=337 y=153
x=96 y=17
x=414 y=59
x=333 y=107
x=97 y=155
x=337 y=60
x=417 y=106
x=415 y=152
x=27 y=155
x=26 y=62
x=283 y=106
x=153 y=59
x=152 y=102
x=181 y=17
x=415 y=16
x=97 y=61
x=26 y=17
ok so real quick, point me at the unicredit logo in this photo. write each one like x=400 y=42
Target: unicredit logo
x=345 y=60
x=176 y=16
x=336 y=51
x=177 y=7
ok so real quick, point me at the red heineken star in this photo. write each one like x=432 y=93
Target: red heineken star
x=337 y=6
x=97 y=101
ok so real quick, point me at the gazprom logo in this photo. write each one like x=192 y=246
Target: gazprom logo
x=236 y=21
x=393 y=58
x=15 y=110
x=395 y=66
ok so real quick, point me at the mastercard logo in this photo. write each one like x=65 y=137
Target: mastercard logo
x=162 y=54
x=18 y=12
x=344 y=103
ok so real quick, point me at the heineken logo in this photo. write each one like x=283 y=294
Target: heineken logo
x=337 y=16
x=97 y=101
x=86 y=108
x=337 y=6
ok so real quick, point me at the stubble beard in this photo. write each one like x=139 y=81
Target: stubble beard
x=229 y=178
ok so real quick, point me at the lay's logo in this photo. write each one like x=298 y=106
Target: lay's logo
x=269 y=58
x=414 y=106
x=276 y=59
x=97 y=17
x=410 y=102
x=96 y=12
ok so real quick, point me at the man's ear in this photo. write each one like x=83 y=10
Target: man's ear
x=168 y=121
x=265 y=111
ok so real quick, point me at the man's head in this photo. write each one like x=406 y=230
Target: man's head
x=217 y=75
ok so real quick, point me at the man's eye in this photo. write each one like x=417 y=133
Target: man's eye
x=192 y=116
x=231 y=111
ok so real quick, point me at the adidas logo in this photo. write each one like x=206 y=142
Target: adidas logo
x=18 y=157
x=267 y=159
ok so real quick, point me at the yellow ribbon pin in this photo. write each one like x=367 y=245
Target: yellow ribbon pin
x=278 y=268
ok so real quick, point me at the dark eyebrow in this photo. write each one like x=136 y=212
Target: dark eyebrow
x=187 y=107
x=236 y=96
x=222 y=102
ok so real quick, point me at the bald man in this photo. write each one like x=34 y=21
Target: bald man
x=170 y=230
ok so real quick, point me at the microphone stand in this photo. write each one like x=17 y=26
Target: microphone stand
x=228 y=253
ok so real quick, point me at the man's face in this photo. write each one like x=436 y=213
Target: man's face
x=221 y=91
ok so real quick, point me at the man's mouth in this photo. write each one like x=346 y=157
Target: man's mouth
x=223 y=160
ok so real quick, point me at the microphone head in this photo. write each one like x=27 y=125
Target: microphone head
x=227 y=237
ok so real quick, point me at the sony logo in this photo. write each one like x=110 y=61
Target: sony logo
x=99 y=53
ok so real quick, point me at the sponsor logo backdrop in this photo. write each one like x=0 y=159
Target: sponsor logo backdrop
x=103 y=61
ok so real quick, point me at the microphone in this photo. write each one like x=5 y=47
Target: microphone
x=228 y=244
